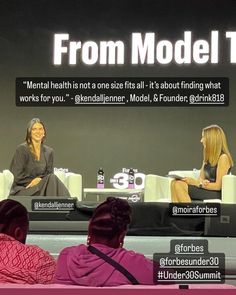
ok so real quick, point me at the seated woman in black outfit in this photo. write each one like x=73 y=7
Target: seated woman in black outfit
x=217 y=162
x=32 y=166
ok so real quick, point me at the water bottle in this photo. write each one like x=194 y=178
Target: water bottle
x=100 y=178
x=131 y=178
x=195 y=173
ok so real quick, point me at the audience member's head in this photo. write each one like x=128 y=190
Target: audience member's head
x=109 y=223
x=14 y=220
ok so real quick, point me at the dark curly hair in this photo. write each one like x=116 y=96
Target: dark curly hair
x=110 y=218
x=12 y=214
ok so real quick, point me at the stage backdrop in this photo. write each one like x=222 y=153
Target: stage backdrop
x=153 y=139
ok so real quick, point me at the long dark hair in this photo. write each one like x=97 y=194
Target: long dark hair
x=28 y=137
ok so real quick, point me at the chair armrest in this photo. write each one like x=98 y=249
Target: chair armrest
x=229 y=189
x=2 y=186
x=8 y=181
x=157 y=188
x=74 y=185
x=186 y=173
x=61 y=175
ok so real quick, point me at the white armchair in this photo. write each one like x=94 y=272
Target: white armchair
x=6 y=180
x=158 y=188
x=72 y=181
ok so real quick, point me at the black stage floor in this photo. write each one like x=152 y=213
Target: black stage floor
x=148 y=219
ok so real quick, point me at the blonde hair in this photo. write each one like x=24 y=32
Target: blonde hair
x=215 y=145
